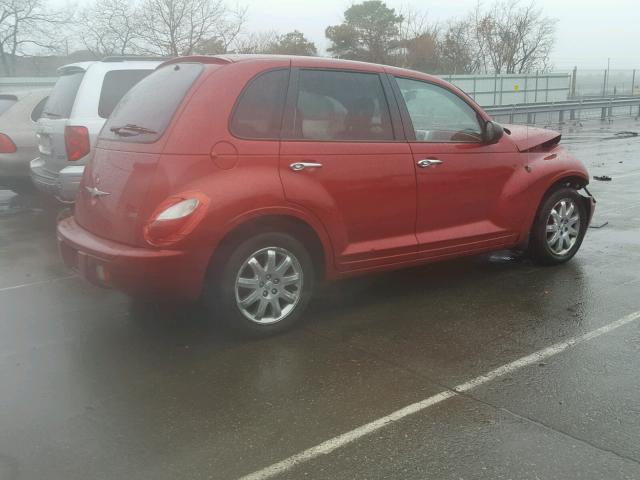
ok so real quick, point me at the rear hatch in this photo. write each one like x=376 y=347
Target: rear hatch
x=18 y=123
x=54 y=119
x=112 y=202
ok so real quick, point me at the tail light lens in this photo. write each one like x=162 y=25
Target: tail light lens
x=76 y=141
x=6 y=144
x=176 y=218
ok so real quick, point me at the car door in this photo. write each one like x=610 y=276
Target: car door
x=343 y=158
x=461 y=181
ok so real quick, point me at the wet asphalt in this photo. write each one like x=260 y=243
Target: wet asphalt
x=94 y=385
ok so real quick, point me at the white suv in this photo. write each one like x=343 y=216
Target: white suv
x=84 y=96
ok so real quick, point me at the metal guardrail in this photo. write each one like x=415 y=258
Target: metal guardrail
x=606 y=105
x=20 y=84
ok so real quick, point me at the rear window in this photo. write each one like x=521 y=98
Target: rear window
x=63 y=95
x=6 y=102
x=36 y=113
x=146 y=110
x=116 y=83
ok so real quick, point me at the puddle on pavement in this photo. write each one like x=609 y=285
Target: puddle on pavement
x=12 y=203
x=506 y=256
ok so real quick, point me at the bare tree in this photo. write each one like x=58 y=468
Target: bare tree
x=512 y=38
x=418 y=44
x=183 y=27
x=457 y=50
x=270 y=42
x=110 y=27
x=27 y=26
x=257 y=42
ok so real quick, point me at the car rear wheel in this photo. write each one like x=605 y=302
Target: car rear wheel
x=265 y=285
x=559 y=227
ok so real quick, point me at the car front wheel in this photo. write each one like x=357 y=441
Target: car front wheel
x=559 y=227
x=265 y=285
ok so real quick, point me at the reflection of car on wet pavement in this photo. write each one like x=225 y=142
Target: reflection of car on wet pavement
x=373 y=168
x=18 y=116
x=83 y=97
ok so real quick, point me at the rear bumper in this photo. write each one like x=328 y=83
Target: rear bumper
x=14 y=165
x=69 y=182
x=170 y=274
x=44 y=180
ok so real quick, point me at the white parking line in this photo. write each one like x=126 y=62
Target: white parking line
x=41 y=282
x=355 y=434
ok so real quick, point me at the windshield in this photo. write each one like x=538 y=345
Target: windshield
x=63 y=96
x=142 y=115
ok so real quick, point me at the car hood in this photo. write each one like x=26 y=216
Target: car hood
x=528 y=138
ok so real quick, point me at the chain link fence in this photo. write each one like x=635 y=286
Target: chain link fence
x=587 y=83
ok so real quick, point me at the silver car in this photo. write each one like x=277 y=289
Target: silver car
x=84 y=96
x=18 y=115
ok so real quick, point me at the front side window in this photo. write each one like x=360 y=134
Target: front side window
x=439 y=115
x=341 y=106
x=258 y=113
x=115 y=84
x=145 y=111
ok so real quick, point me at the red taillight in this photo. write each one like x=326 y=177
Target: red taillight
x=175 y=218
x=76 y=141
x=6 y=144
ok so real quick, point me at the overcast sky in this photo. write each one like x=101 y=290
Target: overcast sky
x=588 y=31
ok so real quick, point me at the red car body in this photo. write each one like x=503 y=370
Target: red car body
x=369 y=208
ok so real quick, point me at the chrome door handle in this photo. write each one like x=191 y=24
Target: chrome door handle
x=297 y=166
x=427 y=162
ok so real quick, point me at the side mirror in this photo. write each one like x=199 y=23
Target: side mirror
x=493 y=132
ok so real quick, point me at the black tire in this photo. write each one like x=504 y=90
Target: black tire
x=220 y=291
x=539 y=248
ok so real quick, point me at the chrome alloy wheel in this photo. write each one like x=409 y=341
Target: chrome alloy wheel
x=269 y=285
x=563 y=227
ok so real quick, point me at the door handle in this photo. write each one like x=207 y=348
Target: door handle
x=427 y=162
x=297 y=166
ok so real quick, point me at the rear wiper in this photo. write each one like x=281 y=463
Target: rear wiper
x=130 y=130
x=52 y=115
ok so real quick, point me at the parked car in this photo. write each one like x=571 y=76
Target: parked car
x=18 y=115
x=82 y=99
x=252 y=179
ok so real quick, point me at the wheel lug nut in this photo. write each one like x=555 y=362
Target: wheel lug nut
x=268 y=277
x=265 y=293
x=274 y=291
x=276 y=281
x=262 y=284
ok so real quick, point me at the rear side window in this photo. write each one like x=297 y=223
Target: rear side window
x=347 y=106
x=6 y=102
x=63 y=95
x=258 y=113
x=116 y=83
x=145 y=111
x=36 y=113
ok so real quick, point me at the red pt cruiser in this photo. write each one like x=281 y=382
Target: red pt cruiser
x=245 y=180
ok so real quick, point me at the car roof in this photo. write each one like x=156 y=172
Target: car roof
x=112 y=63
x=303 y=61
x=321 y=61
